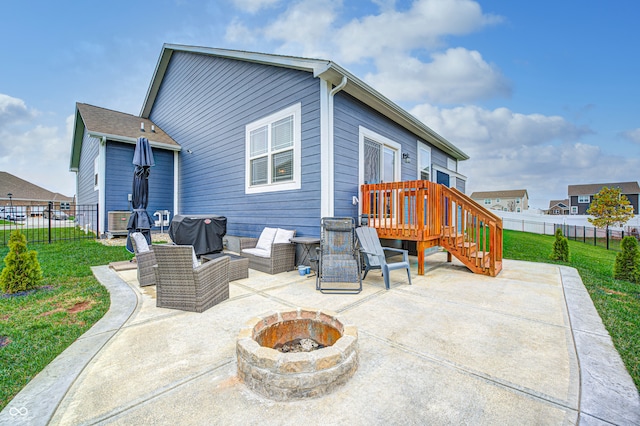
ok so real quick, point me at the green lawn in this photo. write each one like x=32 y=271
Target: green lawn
x=43 y=235
x=37 y=327
x=617 y=302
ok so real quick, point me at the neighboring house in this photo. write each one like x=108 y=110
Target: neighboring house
x=580 y=196
x=265 y=140
x=558 y=207
x=29 y=196
x=516 y=200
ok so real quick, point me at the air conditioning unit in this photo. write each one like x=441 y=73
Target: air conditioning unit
x=118 y=221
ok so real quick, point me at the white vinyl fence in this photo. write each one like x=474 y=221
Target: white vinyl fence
x=573 y=227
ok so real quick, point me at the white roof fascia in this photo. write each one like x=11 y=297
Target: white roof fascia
x=130 y=140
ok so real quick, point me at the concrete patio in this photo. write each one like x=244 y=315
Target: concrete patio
x=526 y=347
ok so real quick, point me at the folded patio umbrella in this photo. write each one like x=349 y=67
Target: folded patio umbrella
x=140 y=220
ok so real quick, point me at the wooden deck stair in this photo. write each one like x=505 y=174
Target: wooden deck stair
x=435 y=215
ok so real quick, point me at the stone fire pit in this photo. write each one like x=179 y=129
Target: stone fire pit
x=282 y=376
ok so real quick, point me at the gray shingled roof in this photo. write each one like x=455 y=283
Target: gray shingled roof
x=22 y=190
x=594 y=188
x=553 y=203
x=109 y=122
x=512 y=193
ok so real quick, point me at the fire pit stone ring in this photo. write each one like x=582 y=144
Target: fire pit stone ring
x=294 y=375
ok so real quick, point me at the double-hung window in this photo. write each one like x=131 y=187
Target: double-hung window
x=273 y=152
x=584 y=199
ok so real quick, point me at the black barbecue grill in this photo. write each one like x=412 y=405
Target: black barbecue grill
x=203 y=232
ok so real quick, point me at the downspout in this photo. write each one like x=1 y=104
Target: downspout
x=176 y=182
x=331 y=168
x=102 y=179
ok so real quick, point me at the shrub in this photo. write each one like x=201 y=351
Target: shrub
x=626 y=264
x=560 y=247
x=22 y=269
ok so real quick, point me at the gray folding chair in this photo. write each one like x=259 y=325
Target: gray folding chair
x=374 y=256
x=338 y=256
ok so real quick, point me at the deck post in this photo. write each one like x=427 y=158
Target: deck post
x=421 y=248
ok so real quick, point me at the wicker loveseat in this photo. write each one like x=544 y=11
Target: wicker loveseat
x=272 y=253
x=182 y=283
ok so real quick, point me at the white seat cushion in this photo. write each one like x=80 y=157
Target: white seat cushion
x=258 y=252
x=283 y=236
x=196 y=262
x=266 y=239
x=141 y=242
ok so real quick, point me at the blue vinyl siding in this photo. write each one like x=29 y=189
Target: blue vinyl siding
x=349 y=114
x=85 y=177
x=119 y=178
x=438 y=158
x=204 y=104
x=86 y=194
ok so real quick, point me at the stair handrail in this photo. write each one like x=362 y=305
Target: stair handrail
x=491 y=220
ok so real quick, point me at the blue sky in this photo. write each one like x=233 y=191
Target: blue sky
x=540 y=94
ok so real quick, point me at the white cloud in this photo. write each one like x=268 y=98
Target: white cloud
x=420 y=27
x=13 y=111
x=498 y=128
x=457 y=75
x=36 y=153
x=237 y=32
x=632 y=135
x=303 y=28
x=508 y=150
x=252 y=6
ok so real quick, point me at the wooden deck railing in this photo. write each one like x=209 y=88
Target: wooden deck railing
x=472 y=233
x=432 y=215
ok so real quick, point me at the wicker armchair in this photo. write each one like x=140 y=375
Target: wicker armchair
x=180 y=284
x=282 y=257
x=146 y=259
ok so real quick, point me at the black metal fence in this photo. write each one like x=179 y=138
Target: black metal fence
x=606 y=238
x=46 y=224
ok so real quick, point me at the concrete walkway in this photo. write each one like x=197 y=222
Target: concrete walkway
x=526 y=347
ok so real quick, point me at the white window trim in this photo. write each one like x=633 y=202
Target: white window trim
x=582 y=197
x=296 y=183
x=421 y=146
x=574 y=209
x=370 y=134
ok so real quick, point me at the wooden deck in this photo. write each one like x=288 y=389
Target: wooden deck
x=435 y=215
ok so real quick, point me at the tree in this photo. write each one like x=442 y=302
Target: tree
x=626 y=265
x=22 y=269
x=560 y=247
x=610 y=208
